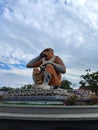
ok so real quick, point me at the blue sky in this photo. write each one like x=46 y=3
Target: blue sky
x=70 y=27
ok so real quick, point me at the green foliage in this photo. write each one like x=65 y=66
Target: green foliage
x=65 y=84
x=90 y=81
x=27 y=86
x=4 y=88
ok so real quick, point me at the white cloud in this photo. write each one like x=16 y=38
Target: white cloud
x=88 y=12
x=28 y=27
x=16 y=77
x=79 y=2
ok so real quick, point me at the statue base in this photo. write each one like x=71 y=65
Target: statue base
x=42 y=86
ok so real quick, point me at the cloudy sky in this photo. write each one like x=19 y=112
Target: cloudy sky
x=27 y=27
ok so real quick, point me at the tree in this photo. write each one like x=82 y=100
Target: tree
x=90 y=81
x=4 y=88
x=65 y=84
x=27 y=86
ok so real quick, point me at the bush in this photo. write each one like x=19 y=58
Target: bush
x=72 y=100
x=93 y=100
x=0 y=97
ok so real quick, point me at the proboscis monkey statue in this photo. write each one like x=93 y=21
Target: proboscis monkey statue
x=47 y=68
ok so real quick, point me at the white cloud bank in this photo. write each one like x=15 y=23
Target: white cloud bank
x=70 y=27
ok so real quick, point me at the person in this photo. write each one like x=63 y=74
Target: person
x=47 y=68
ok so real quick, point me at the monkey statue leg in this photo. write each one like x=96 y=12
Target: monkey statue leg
x=55 y=79
x=37 y=76
x=47 y=77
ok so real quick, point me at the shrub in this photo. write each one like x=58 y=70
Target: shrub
x=72 y=100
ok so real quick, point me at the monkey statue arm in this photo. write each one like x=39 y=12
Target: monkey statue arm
x=58 y=65
x=59 y=68
x=36 y=62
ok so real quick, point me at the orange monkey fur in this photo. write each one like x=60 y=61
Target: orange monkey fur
x=48 y=60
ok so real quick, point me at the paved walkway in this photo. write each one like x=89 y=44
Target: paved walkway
x=52 y=113
x=50 y=117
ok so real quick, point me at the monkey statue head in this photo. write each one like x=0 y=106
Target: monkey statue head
x=48 y=53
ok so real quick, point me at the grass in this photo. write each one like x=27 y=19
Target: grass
x=30 y=104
